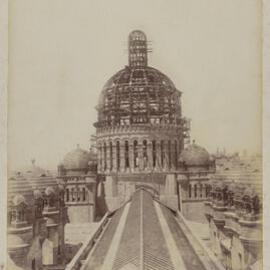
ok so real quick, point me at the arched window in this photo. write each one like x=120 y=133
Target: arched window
x=195 y=191
x=118 y=155
x=162 y=153
x=169 y=155
x=145 y=157
x=83 y=194
x=154 y=153
x=189 y=191
x=126 y=154
x=111 y=156
x=105 y=156
x=201 y=190
x=136 y=154
x=67 y=195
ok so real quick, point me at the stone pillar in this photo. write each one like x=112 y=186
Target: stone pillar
x=170 y=185
x=150 y=155
x=109 y=187
x=114 y=157
x=169 y=151
x=170 y=197
x=158 y=155
x=182 y=195
x=102 y=157
x=122 y=156
x=140 y=154
x=51 y=243
x=108 y=158
x=173 y=155
x=166 y=157
x=131 y=156
x=99 y=158
x=204 y=191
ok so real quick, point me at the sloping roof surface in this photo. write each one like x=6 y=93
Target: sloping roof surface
x=137 y=238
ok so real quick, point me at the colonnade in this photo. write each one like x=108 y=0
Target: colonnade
x=138 y=155
x=198 y=191
x=76 y=194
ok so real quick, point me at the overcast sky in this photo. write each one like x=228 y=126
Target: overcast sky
x=62 y=52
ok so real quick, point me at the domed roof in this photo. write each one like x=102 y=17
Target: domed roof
x=12 y=265
x=49 y=191
x=18 y=199
x=195 y=155
x=78 y=159
x=33 y=170
x=138 y=93
x=19 y=185
x=37 y=194
x=142 y=76
x=15 y=241
x=50 y=221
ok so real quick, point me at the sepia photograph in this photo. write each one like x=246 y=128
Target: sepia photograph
x=134 y=135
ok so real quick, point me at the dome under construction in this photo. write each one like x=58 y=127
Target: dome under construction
x=140 y=125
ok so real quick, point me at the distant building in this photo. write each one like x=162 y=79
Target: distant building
x=36 y=220
x=234 y=213
x=78 y=175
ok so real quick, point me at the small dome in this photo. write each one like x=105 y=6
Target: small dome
x=37 y=194
x=50 y=221
x=61 y=187
x=18 y=199
x=19 y=185
x=232 y=187
x=195 y=155
x=34 y=171
x=49 y=191
x=250 y=192
x=14 y=241
x=12 y=265
x=78 y=159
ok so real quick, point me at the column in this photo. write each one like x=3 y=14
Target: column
x=102 y=157
x=158 y=155
x=204 y=191
x=122 y=156
x=173 y=154
x=114 y=157
x=99 y=158
x=166 y=157
x=131 y=155
x=108 y=157
x=149 y=154
x=140 y=153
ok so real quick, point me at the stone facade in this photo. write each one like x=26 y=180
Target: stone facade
x=78 y=175
x=140 y=130
x=195 y=169
x=234 y=213
x=36 y=219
